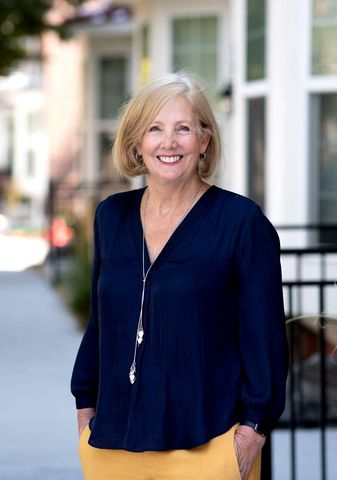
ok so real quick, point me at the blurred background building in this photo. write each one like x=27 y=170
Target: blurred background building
x=271 y=69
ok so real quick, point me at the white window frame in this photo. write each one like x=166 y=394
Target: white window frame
x=223 y=58
x=248 y=90
x=95 y=126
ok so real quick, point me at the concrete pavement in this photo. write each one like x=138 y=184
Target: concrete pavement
x=39 y=339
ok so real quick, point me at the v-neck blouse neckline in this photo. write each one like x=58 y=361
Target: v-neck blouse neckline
x=191 y=215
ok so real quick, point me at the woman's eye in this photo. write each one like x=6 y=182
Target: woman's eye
x=183 y=129
x=154 y=128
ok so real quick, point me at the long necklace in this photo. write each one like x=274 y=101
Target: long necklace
x=140 y=328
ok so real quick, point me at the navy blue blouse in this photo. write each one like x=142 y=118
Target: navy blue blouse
x=214 y=351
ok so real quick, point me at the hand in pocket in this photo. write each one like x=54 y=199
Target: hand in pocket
x=247 y=445
x=81 y=430
x=84 y=415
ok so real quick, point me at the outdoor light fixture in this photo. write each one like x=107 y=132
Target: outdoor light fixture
x=225 y=99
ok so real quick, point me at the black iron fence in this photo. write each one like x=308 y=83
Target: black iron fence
x=311 y=314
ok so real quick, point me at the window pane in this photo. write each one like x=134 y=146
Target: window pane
x=195 y=47
x=328 y=159
x=256 y=34
x=256 y=149
x=112 y=86
x=324 y=37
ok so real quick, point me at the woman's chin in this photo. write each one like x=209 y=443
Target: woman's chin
x=171 y=177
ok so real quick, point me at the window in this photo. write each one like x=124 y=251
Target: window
x=256 y=150
x=111 y=94
x=195 y=48
x=327 y=153
x=256 y=39
x=324 y=37
x=112 y=85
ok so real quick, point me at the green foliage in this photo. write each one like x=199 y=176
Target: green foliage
x=78 y=281
x=19 y=20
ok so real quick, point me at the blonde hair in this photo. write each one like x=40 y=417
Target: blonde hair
x=140 y=111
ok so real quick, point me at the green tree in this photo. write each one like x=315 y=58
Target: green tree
x=19 y=20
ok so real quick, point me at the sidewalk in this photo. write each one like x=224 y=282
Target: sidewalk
x=38 y=343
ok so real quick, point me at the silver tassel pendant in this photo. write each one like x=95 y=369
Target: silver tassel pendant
x=140 y=335
x=132 y=373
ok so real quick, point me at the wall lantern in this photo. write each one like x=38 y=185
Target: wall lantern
x=226 y=99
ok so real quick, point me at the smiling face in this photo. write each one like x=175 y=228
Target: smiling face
x=172 y=143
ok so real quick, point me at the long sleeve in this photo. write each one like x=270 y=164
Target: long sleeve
x=263 y=345
x=85 y=376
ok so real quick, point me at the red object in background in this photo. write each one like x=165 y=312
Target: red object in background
x=59 y=235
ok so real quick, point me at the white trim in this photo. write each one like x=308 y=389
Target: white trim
x=254 y=89
x=236 y=163
x=308 y=43
x=322 y=84
x=313 y=159
x=305 y=30
x=181 y=9
x=105 y=30
x=160 y=47
x=96 y=125
x=306 y=47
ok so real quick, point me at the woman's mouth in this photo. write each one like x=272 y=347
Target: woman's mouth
x=170 y=158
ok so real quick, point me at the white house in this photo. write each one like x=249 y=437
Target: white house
x=275 y=65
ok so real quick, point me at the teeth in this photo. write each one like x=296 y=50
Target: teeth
x=170 y=159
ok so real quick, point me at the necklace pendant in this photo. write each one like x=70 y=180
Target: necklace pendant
x=140 y=335
x=132 y=372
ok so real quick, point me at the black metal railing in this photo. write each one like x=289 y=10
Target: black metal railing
x=308 y=403
x=295 y=396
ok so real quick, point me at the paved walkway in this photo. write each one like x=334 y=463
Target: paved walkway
x=38 y=343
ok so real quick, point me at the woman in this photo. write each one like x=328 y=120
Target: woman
x=181 y=371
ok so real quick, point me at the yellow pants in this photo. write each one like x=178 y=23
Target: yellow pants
x=214 y=460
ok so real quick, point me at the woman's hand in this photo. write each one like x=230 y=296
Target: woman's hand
x=247 y=445
x=83 y=417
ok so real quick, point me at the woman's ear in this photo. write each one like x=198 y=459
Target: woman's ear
x=204 y=142
x=138 y=149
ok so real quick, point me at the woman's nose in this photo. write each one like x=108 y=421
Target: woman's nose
x=168 y=139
